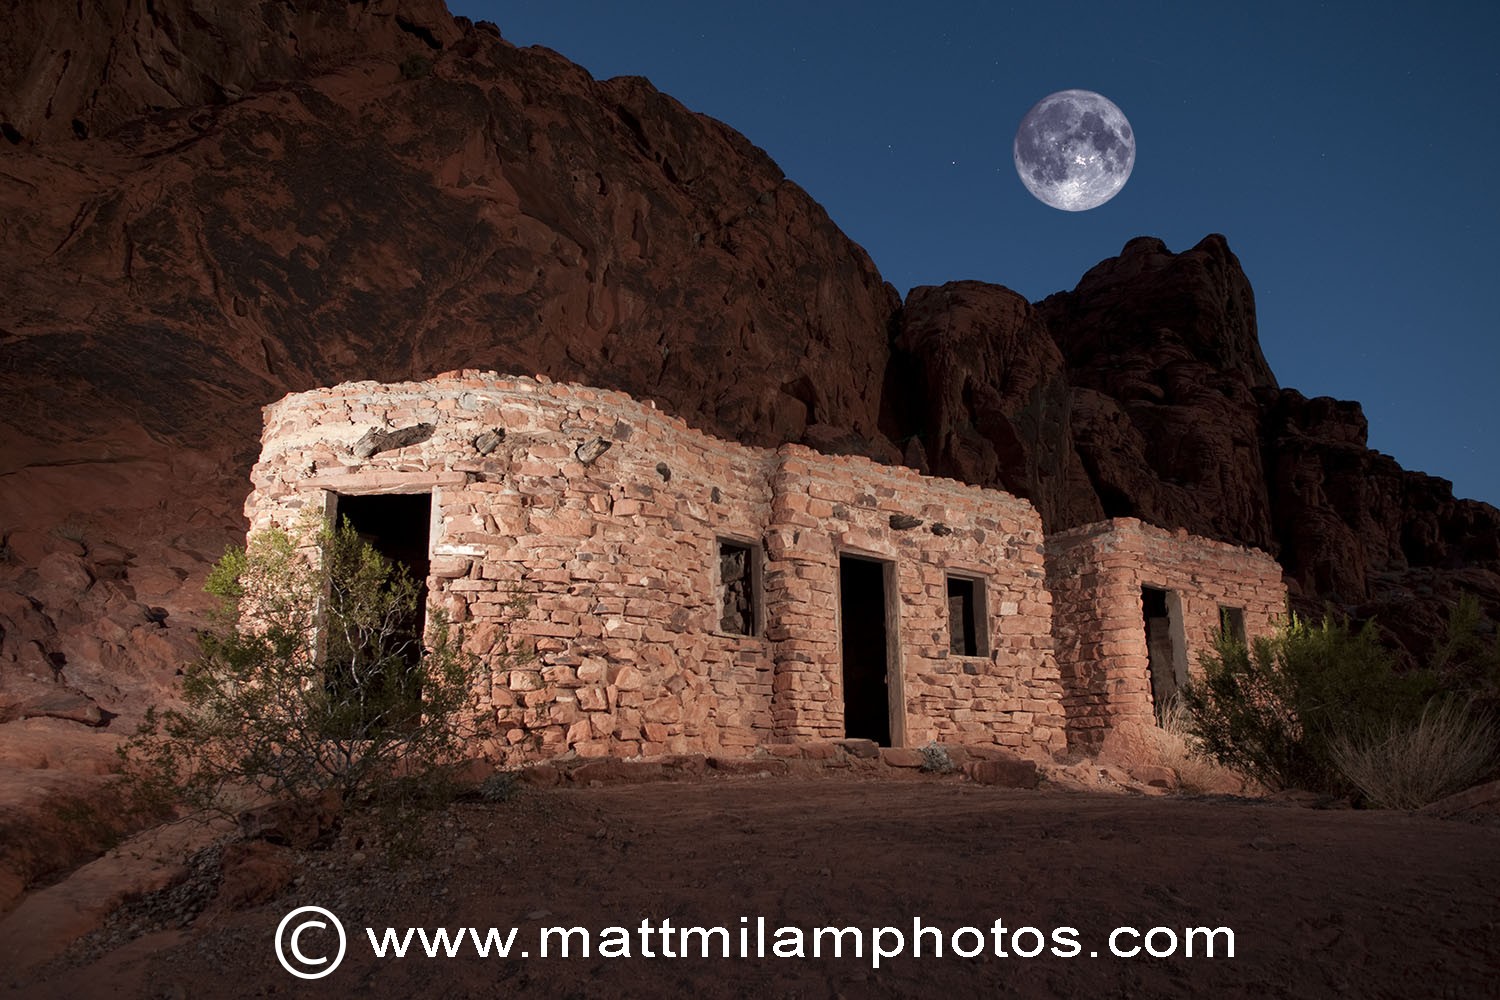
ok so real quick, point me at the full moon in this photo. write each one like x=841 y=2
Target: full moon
x=1074 y=150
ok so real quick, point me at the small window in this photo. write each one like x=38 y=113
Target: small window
x=739 y=588
x=966 y=617
x=1232 y=623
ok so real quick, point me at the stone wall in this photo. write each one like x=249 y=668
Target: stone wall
x=584 y=527
x=825 y=507
x=1096 y=574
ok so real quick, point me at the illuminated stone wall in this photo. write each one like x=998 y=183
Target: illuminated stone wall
x=583 y=527
x=1096 y=574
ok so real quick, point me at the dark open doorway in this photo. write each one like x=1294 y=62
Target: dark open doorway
x=863 y=629
x=1162 y=612
x=396 y=524
x=381 y=676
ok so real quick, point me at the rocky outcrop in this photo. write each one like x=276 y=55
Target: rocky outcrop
x=1163 y=354
x=981 y=393
x=1131 y=396
x=1356 y=529
x=1143 y=393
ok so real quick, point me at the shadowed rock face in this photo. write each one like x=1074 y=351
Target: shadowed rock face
x=1162 y=351
x=209 y=205
x=73 y=70
x=983 y=394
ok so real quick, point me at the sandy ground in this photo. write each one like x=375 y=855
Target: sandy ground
x=1321 y=902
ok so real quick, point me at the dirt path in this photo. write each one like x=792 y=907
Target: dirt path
x=1333 y=903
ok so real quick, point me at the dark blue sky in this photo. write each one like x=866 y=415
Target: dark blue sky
x=1350 y=152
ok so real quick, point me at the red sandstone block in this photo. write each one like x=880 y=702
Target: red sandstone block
x=820 y=750
x=541 y=775
x=901 y=757
x=748 y=765
x=1008 y=772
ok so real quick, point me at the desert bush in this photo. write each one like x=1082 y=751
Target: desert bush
x=1467 y=658
x=314 y=678
x=935 y=758
x=1270 y=709
x=1406 y=765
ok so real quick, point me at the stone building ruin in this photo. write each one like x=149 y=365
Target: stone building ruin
x=684 y=593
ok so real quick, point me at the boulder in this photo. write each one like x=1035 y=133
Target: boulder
x=1008 y=772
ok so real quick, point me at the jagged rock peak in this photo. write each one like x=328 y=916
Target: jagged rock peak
x=1198 y=303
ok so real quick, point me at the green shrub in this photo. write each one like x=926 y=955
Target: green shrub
x=315 y=679
x=1467 y=658
x=1271 y=709
x=1406 y=765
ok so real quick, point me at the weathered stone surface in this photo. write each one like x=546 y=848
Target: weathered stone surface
x=900 y=757
x=489 y=440
x=749 y=765
x=610 y=771
x=1154 y=776
x=543 y=775
x=1480 y=803
x=1132 y=395
x=1012 y=772
x=590 y=450
x=67 y=73
x=31 y=700
x=866 y=749
x=376 y=440
x=254 y=872
x=987 y=390
x=293 y=823
x=1164 y=358
x=687 y=765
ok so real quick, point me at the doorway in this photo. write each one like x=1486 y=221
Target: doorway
x=376 y=672
x=396 y=524
x=1166 y=657
x=864 y=628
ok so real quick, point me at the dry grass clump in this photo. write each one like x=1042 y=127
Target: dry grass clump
x=1174 y=746
x=1408 y=765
